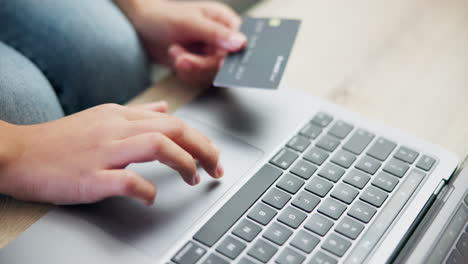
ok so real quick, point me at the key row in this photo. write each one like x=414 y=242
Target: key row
x=306 y=167
x=380 y=150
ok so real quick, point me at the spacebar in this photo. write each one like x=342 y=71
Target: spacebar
x=231 y=211
x=386 y=217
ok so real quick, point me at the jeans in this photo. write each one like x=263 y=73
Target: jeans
x=58 y=57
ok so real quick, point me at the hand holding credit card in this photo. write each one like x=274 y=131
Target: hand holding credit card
x=261 y=64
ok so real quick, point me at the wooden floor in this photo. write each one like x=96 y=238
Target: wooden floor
x=404 y=62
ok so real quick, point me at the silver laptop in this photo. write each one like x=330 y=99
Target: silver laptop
x=306 y=182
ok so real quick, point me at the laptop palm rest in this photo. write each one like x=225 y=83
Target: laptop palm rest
x=153 y=229
x=243 y=124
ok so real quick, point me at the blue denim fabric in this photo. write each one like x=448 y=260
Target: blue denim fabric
x=81 y=52
x=26 y=96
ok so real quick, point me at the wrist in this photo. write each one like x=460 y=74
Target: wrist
x=134 y=9
x=11 y=149
x=11 y=145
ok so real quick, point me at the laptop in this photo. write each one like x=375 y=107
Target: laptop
x=306 y=181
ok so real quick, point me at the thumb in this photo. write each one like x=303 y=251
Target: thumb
x=219 y=35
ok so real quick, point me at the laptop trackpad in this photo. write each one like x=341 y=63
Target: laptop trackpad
x=178 y=205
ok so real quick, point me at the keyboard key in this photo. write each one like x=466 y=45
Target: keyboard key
x=336 y=244
x=349 y=227
x=406 y=154
x=306 y=201
x=316 y=155
x=235 y=207
x=290 y=183
x=462 y=244
x=262 y=213
x=215 y=259
x=344 y=193
x=277 y=233
x=425 y=163
x=322 y=258
x=262 y=251
x=385 y=218
x=303 y=169
x=331 y=172
x=189 y=254
x=368 y=164
x=246 y=261
x=373 y=196
x=328 y=143
x=343 y=158
x=455 y=258
x=385 y=181
x=340 y=129
x=231 y=247
x=322 y=119
x=247 y=230
x=318 y=224
x=276 y=198
x=298 y=143
x=362 y=211
x=292 y=217
x=358 y=141
x=305 y=241
x=396 y=167
x=332 y=208
x=284 y=158
x=318 y=186
x=289 y=256
x=311 y=131
x=381 y=149
x=356 y=178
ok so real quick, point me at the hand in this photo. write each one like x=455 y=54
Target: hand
x=191 y=37
x=82 y=158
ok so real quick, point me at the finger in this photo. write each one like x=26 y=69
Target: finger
x=222 y=14
x=154 y=146
x=217 y=34
x=130 y=113
x=164 y=123
x=188 y=61
x=192 y=67
x=108 y=183
x=188 y=138
x=160 y=106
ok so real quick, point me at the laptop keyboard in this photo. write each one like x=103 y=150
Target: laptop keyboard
x=333 y=189
x=453 y=243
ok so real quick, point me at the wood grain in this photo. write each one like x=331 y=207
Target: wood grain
x=404 y=62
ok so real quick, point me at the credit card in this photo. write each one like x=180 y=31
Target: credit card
x=261 y=64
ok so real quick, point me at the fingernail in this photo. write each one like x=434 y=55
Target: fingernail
x=235 y=41
x=219 y=171
x=196 y=179
x=184 y=65
x=149 y=202
x=175 y=51
x=156 y=104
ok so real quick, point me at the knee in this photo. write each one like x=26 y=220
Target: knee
x=26 y=97
x=88 y=49
x=107 y=49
